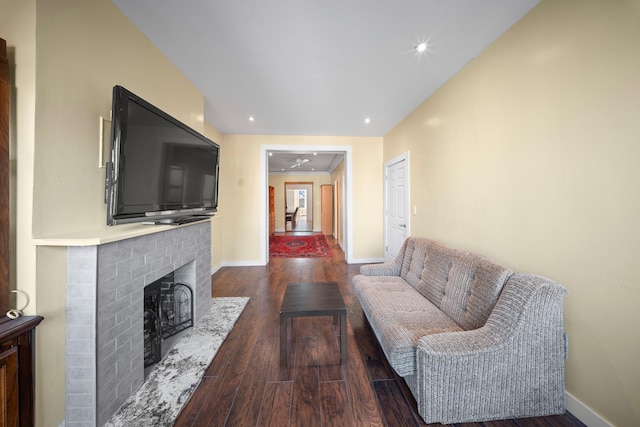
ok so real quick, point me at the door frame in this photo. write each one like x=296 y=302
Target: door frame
x=347 y=231
x=402 y=157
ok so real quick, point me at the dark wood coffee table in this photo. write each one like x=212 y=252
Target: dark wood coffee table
x=312 y=299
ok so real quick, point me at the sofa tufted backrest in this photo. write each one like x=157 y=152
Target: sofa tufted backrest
x=414 y=259
x=463 y=285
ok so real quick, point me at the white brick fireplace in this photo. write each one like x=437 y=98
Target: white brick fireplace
x=104 y=313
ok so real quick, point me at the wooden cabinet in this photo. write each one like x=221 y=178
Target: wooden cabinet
x=272 y=211
x=17 y=375
x=326 y=209
x=4 y=179
x=9 y=384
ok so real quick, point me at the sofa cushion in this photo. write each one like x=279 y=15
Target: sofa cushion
x=365 y=282
x=399 y=316
x=464 y=286
x=414 y=260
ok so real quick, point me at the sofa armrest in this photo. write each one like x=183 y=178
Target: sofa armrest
x=512 y=367
x=391 y=268
x=385 y=269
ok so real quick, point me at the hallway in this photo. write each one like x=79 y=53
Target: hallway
x=301 y=225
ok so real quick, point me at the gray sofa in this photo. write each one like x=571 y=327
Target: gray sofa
x=473 y=340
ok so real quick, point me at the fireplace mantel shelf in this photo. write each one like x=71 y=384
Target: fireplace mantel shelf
x=108 y=235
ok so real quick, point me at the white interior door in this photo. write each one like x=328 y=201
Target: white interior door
x=396 y=205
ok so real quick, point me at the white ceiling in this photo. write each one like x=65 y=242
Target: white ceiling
x=311 y=67
x=302 y=162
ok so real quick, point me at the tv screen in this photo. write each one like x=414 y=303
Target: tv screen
x=161 y=170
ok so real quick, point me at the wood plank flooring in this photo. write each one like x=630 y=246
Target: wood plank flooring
x=245 y=385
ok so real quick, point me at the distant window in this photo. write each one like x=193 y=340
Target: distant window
x=302 y=199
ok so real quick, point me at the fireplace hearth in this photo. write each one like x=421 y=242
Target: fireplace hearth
x=168 y=310
x=105 y=348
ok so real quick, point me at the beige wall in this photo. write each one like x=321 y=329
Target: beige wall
x=74 y=56
x=278 y=181
x=240 y=170
x=217 y=223
x=83 y=50
x=17 y=27
x=212 y=133
x=529 y=155
x=51 y=277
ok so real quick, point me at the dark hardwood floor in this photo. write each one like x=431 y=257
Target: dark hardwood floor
x=245 y=385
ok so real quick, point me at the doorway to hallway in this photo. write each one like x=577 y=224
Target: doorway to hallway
x=301 y=225
x=298 y=204
x=346 y=197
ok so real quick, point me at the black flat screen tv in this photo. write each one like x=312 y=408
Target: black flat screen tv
x=160 y=171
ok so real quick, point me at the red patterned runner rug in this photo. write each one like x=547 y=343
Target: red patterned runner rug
x=314 y=246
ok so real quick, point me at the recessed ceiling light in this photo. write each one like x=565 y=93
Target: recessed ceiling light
x=367 y=120
x=252 y=119
x=421 y=47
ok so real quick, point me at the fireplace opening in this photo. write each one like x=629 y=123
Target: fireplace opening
x=168 y=310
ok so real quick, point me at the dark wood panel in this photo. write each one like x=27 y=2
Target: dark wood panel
x=363 y=401
x=191 y=410
x=247 y=404
x=305 y=411
x=306 y=352
x=334 y=403
x=17 y=341
x=499 y=423
x=376 y=364
x=529 y=422
x=9 y=403
x=276 y=405
x=4 y=180
x=329 y=366
x=245 y=384
x=394 y=407
x=230 y=372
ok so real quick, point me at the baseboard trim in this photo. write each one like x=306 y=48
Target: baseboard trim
x=585 y=413
x=366 y=260
x=241 y=264
x=305 y=231
x=258 y=263
x=215 y=268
